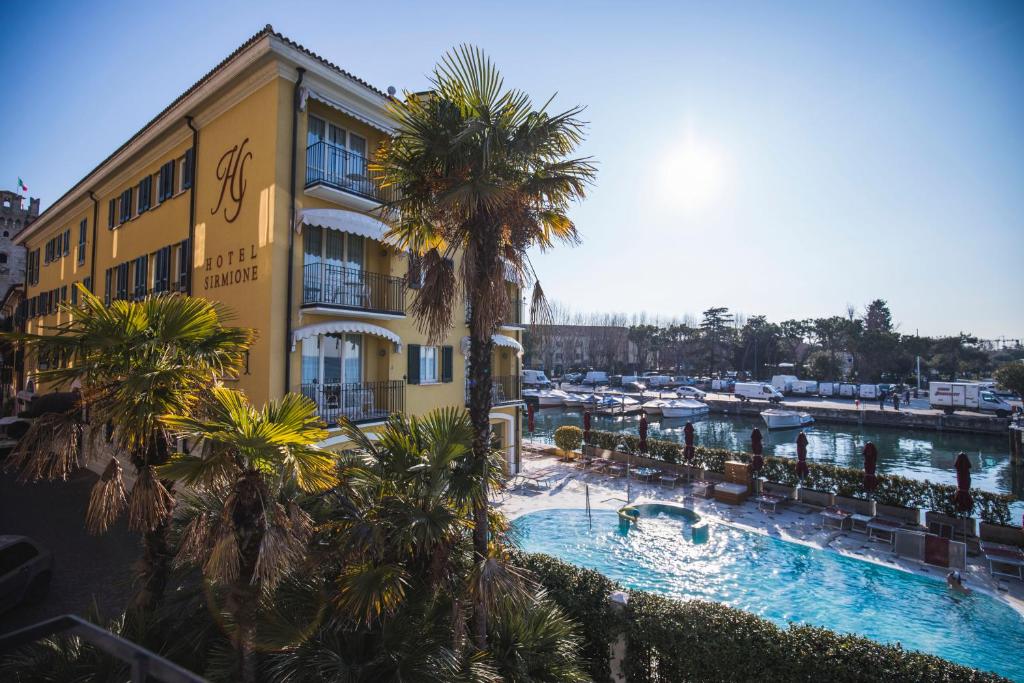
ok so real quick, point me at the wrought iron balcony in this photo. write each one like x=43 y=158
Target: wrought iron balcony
x=358 y=401
x=337 y=167
x=513 y=319
x=327 y=284
x=504 y=389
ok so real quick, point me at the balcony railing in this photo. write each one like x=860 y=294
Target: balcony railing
x=341 y=169
x=515 y=317
x=504 y=389
x=358 y=401
x=326 y=284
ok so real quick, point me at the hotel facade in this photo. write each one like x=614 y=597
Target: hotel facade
x=252 y=189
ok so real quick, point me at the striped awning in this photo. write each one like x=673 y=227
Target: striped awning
x=499 y=340
x=343 y=326
x=344 y=221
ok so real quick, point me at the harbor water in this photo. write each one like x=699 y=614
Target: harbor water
x=922 y=455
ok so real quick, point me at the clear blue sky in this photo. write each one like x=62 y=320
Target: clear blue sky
x=785 y=159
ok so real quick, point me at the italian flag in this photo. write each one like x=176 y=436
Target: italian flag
x=21 y=185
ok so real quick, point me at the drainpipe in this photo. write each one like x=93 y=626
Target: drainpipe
x=92 y=258
x=192 y=204
x=291 y=238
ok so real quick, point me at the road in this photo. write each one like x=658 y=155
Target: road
x=917 y=406
x=87 y=569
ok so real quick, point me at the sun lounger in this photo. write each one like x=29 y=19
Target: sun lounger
x=615 y=470
x=883 y=529
x=768 y=501
x=1003 y=560
x=703 y=488
x=539 y=477
x=833 y=516
x=731 y=493
x=668 y=478
x=644 y=473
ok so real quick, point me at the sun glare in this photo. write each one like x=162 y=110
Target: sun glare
x=692 y=175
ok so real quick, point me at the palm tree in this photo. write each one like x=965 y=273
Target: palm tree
x=481 y=173
x=131 y=362
x=253 y=462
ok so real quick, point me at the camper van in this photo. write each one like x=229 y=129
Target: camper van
x=533 y=379
x=746 y=391
x=950 y=396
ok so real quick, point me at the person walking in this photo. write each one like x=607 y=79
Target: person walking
x=881 y=400
x=896 y=401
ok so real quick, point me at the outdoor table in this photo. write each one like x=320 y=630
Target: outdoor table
x=703 y=488
x=877 y=528
x=767 y=500
x=1004 y=560
x=667 y=478
x=615 y=469
x=834 y=517
x=859 y=523
x=644 y=473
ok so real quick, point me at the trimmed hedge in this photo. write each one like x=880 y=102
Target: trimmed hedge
x=670 y=640
x=844 y=481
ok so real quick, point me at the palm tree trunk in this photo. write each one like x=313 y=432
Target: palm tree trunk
x=154 y=566
x=243 y=595
x=480 y=350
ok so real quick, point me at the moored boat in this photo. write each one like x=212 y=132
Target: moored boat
x=776 y=418
x=684 y=407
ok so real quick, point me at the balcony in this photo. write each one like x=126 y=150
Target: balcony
x=504 y=389
x=332 y=287
x=513 y=321
x=335 y=174
x=359 y=402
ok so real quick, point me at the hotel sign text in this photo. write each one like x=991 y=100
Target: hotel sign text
x=233 y=267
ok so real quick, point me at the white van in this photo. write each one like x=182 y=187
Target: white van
x=804 y=387
x=657 y=380
x=535 y=378
x=848 y=390
x=784 y=383
x=746 y=391
x=595 y=377
x=866 y=391
x=828 y=389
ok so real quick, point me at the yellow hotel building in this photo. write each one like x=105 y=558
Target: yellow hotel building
x=251 y=189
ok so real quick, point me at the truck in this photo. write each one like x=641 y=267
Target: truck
x=952 y=396
x=747 y=391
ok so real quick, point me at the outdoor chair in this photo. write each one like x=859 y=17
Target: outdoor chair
x=1003 y=560
x=835 y=517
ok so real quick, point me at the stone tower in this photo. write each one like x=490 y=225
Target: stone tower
x=13 y=218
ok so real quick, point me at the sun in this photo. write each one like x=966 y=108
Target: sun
x=692 y=175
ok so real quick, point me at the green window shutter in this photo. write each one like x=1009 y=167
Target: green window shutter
x=413 y=375
x=446 y=364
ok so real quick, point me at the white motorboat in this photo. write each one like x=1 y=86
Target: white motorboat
x=654 y=406
x=546 y=398
x=785 y=419
x=684 y=407
x=573 y=400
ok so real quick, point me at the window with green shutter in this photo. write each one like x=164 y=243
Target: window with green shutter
x=413 y=374
x=446 y=363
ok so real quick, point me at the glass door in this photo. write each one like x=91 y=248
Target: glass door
x=317 y=155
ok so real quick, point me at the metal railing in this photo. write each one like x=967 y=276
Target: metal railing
x=504 y=389
x=144 y=664
x=341 y=169
x=358 y=401
x=332 y=285
x=515 y=316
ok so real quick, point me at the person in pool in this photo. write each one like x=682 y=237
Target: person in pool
x=956 y=582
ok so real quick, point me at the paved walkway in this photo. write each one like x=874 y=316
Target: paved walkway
x=567 y=486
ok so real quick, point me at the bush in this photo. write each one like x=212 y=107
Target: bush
x=845 y=481
x=695 y=640
x=568 y=438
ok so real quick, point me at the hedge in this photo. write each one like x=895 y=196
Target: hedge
x=845 y=481
x=695 y=640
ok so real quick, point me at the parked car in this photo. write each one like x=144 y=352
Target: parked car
x=632 y=387
x=691 y=392
x=25 y=571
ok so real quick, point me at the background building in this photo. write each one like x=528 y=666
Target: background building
x=14 y=216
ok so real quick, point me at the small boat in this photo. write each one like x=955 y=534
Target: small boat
x=785 y=419
x=546 y=398
x=573 y=400
x=684 y=407
x=617 y=405
x=654 y=407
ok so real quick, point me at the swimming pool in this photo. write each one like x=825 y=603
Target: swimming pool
x=784 y=582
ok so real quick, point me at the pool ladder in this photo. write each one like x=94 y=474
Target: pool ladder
x=590 y=519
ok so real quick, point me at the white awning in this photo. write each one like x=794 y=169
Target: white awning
x=342 y=326
x=342 y=107
x=345 y=221
x=499 y=340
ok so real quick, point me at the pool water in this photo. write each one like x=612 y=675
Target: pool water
x=785 y=582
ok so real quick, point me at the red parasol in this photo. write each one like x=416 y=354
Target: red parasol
x=757 y=462
x=962 y=497
x=586 y=426
x=643 y=433
x=801 y=455
x=530 y=424
x=688 y=435
x=870 y=462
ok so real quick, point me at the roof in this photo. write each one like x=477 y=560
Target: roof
x=267 y=30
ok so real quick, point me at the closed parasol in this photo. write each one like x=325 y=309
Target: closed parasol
x=643 y=433
x=756 y=447
x=962 y=497
x=530 y=424
x=801 y=456
x=586 y=426
x=870 y=463
x=688 y=436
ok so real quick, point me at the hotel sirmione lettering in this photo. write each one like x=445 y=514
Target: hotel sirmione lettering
x=234 y=267
x=231 y=174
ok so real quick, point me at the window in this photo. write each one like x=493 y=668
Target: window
x=343 y=154
x=87 y=283
x=74 y=294
x=332 y=359
x=428 y=364
x=162 y=270
x=107 y=286
x=33 y=267
x=145 y=194
x=187 y=163
x=122 y=281
x=3 y=257
x=141 y=276
x=112 y=214
x=67 y=242
x=184 y=265
x=126 y=206
x=82 y=227
x=166 y=181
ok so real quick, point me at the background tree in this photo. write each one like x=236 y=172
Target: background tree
x=1011 y=377
x=714 y=329
x=134 y=362
x=482 y=174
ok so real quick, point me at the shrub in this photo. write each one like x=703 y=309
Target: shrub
x=568 y=438
x=846 y=481
x=695 y=640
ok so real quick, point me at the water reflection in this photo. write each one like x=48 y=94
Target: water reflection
x=915 y=454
